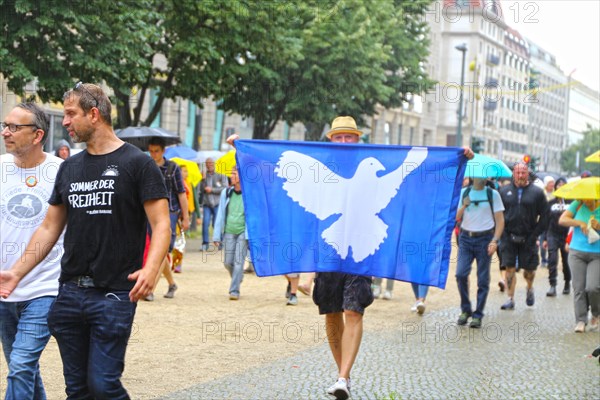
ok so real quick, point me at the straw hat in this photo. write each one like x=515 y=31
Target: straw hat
x=343 y=125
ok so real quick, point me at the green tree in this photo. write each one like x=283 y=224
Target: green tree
x=201 y=53
x=589 y=144
x=53 y=43
x=187 y=48
x=347 y=57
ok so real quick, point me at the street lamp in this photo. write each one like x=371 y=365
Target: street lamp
x=462 y=48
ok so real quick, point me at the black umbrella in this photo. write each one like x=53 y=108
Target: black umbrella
x=140 y=135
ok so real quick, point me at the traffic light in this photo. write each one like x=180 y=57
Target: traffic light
x=531 y=161
x=535 y=160
x=477 y=144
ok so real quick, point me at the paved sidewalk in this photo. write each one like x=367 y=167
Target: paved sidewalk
x=528 y=353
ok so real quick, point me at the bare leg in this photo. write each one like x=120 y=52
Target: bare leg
x=511 y=281
x=306 y=287
x=165 y=269
x=294 y=283
x=334 y=326
x=529 y=276
x=351 y=339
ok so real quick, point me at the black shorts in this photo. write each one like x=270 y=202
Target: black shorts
x=526 y=253
x=335 y=292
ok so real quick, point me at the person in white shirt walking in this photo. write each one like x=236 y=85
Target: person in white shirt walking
x=482 y=225
x=28 y=176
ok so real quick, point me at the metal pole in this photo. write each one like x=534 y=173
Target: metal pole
x=463 y=49
x=179 y=117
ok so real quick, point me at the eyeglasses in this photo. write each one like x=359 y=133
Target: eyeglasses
x=80 y=85
x=476 y=202
x=13 y=127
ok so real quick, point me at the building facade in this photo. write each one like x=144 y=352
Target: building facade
x=479 y=27
x=583 y=110
x=547 y=116
x=515 y=97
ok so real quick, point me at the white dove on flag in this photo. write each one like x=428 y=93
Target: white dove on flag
x=358 y=200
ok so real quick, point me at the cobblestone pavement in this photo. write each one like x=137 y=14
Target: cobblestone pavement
x=528 y=353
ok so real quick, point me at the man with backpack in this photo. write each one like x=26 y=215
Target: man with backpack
x=482 y=216
x=178 y=206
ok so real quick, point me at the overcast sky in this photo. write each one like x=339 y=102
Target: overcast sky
x=569 y=29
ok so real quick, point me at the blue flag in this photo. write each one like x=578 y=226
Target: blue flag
x=385 y=211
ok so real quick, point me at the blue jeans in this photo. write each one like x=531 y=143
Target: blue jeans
x=420 y=291
x=209 y=214
x=473 y=248
x=236 y=249
x=25 y=333
x=543 y=251
x=92 y=327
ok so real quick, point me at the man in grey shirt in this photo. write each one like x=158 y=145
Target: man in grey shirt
x=211 y=187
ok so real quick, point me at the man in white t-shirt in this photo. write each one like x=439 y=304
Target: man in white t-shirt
x=28 y=176
x=482 y=215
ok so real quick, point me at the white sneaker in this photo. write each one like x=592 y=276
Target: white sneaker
x=580 y=327
x=339 y=389
x=594 y=322
x=293 y=300
x=414 y=307
x=376 y=291
x=387 y=295
x=420 y=308
x=331 y=388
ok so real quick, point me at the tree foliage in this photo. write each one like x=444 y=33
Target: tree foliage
x=183 y=48
x=54 y=43
x=589 y=144
x=350 y=56
x=298 y=60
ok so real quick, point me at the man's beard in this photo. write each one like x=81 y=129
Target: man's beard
x=81 y=137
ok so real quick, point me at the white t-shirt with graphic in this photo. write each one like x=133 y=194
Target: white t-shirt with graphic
x=478 y=216
x=24 y=195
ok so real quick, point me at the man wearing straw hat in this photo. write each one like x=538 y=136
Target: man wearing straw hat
x=343 y=297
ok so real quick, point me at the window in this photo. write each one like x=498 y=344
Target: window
x=400 y=133
x=56 y=133
x=427 y=137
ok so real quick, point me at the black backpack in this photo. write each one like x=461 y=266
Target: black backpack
x=170 y=179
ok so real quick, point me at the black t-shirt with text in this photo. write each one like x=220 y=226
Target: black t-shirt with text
x=106 y=221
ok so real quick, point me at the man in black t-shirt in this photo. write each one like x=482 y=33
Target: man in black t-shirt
x=104 y=196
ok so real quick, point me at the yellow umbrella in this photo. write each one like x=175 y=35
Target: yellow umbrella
x=593 y=157
x=194 y=173
x=583 y=189
x=224 y=164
